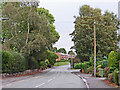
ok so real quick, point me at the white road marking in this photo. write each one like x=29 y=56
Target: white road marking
x=50 y=80
x=86 y=82
x=39 y=85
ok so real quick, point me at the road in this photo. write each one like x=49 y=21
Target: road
x=57 y=77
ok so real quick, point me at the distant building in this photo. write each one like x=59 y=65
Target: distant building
x=64 y=56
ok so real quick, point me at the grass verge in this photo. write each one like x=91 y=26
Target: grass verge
x=61 y=63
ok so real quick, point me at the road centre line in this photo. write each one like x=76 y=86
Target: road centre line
x=50 y=80
x=39 y=85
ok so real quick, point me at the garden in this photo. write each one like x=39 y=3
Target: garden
x=109 y=65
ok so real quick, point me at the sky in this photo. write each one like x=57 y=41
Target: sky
x=63 y=12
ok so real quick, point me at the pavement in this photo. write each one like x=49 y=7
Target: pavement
x=93 y=82
x=56 y=77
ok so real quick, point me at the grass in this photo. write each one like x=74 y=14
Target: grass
x=61 y=63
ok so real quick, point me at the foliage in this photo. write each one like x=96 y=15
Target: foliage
x=116 y=77
x=84 y=67
x=113 y=61
x=62 y=60
x=78 y=65
x=76 y=60
x=83 y=35
x=71 y=53
x=31 y=34
x=62 y=50
x=47 y=63
x=61 y=63
x=104 y=64
x=92 y=59
x=99 y=66
x=69 y=60
x=90 y=69
x=12 y=62
x=106 y=71
x=51 y=56
x=54 y=49
x=110 y=77
x=53 y=34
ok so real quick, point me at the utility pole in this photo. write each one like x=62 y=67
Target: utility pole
x=94 y=49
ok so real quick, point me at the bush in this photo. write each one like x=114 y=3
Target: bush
x=12 y=62
x=47 y=63
x=51 y=56
x=110 y=77
x=42 y=64
x=113 y=59
x=99 y=66
x=115 y=77
x=90 y=69
x=104 y=64
x=106 y=71
x=78 y=65
x=69 y=60
x=111 y=69
x=84 y=67
x=92 y=59
x=62 y=60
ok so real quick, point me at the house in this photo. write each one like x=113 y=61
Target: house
x=64 y=56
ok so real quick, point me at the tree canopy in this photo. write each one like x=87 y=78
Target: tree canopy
x=28 y=31
x=62 y=50
x=106 y=32
x=71 y=52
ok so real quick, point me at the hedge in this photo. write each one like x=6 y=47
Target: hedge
x=78 y=65
x=12 y=62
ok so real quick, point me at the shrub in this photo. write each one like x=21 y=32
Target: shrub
x=90 y=69
x=104 y=64
x=111 y=69
x=33 y=63
x=113 y=59
x=115 y=77
x=12 y=62
x=97 y=74
x=99 y=66
x=84 y=67
x=62 y=60
x=69 y=60
x=110 y=77
x=78 y=65
x=51 y=56
x=106 y=71
x=47 y=63
x=42 y=64
x=92 y=59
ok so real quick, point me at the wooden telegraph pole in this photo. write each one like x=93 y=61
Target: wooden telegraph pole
x=94 y=49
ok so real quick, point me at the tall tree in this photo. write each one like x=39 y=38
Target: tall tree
x=29 y=34
x=54 y=36
x=62 y=50
x=71 y=52
x=106 y=32
x=54 y=49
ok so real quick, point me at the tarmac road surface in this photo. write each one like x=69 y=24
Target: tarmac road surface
x=57 y=77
